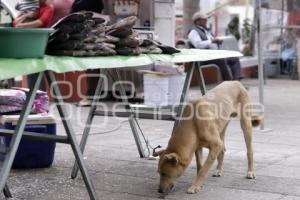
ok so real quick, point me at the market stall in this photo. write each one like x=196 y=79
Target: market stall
x=50 y=64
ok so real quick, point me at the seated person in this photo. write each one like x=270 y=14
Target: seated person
x=43 y=20
x=202 y=38
x=289 y=52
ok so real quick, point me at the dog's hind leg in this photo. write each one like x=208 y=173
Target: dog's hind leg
x=214 y=150
x=199 y=158
x=220 y=158
x=221 y=155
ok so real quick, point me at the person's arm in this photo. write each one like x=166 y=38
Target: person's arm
x=197 y=42
x=43 y=20
x=33 y=24
x=21 y=18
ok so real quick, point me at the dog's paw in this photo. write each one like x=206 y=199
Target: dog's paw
x=218 y=173
x=194 y=189
x=250 y=175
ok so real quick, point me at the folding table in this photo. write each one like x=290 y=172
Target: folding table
x=10 y=68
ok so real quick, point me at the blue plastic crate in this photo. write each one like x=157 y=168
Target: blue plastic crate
x=32 y=153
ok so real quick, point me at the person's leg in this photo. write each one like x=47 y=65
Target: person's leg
x=31 y=81
x=92 y=80
x=224 y=69
x=236 y=68
x=282 y=66
x=92 y=76
x=289 y=66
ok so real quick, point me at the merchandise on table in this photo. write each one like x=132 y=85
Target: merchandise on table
x=13 y=100
x=82 y=34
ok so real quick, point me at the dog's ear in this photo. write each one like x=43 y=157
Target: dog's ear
x=172 y=157
x=158 y=153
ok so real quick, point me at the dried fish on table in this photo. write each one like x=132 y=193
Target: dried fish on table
x=126 y=51
x=122 y=32
x=68 y=45
x=128 y=42
x=84 y=34
x=106 y=38
x=127 y=22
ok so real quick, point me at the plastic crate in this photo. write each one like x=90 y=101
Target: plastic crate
x=31 y=153
x=23 y=43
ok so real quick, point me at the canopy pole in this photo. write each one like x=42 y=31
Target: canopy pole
x=260 y=59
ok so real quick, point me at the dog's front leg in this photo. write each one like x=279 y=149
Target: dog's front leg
x=199 y=158
x=214 y=151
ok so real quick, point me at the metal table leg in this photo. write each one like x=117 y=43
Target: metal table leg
x=200 y=78
x=7 y=192
x=89 y=121
x=15 y=141
x=186 y=87
x=92 y=114
x=131 y=118
x=71 y=135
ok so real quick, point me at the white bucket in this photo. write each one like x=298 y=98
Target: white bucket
x=176 y=84
x=156 y=90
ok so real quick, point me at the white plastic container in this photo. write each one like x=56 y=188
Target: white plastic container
x=176 y=84
x=156 y=90
x=163 y=90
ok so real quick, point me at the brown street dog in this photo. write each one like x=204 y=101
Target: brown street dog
x=203 y=124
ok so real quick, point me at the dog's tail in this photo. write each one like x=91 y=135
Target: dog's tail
x=256 y=120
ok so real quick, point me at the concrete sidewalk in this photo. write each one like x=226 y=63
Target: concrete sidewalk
x=118 y=172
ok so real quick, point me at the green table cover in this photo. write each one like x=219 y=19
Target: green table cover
x=10 y=68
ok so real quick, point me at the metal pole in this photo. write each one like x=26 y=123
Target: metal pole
x=89 y=121
x=71 y=135
x=16 y=139
x=185 y=90
x=131 y=119
x=7 y=192
x=281 y=26
x=260 y=60
x=200 y=77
